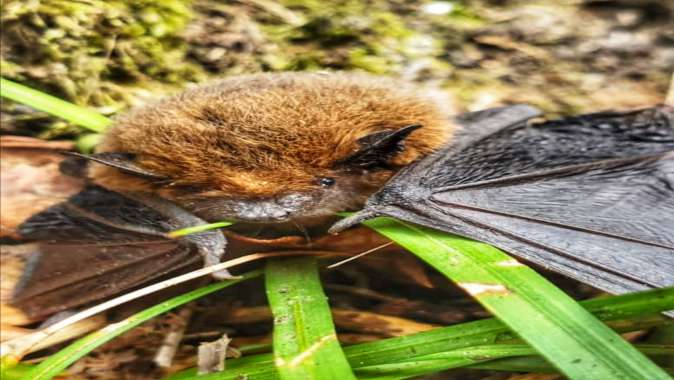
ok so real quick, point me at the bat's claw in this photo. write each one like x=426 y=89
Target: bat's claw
x=224 y=275
x=352 y=220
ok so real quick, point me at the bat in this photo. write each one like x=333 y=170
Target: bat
x=281 y=153
x=277 y=153
x=590 y=197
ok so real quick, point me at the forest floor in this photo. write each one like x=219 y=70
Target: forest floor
x=566 y=57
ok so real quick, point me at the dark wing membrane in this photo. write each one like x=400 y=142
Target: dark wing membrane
x=627 y=199
x=589 y=196
x=565 y=261
x=617 y=220
x=95 y=245
x=574 y=140
x=60 y=277
x=96 y=214
x=477 y=127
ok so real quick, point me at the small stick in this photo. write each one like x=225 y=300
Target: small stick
x=335 y=265
x=168 y=348
x=669 y=100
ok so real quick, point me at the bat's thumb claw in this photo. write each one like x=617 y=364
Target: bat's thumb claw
x=224 y=275
x=352 y=220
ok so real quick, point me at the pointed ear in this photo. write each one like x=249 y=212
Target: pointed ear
x=378 y=148
x=125 y=162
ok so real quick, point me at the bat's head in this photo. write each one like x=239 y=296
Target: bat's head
x=273 y=147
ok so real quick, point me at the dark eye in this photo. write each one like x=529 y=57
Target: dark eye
x=326 y=181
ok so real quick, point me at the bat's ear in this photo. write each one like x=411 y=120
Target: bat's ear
x=75 y=165
x=377 y=149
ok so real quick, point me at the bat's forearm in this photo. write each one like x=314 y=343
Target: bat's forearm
x=211 y=244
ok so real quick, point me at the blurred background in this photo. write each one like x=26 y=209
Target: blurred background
x=566 y=56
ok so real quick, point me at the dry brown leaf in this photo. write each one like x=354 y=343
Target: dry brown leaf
x=346 y=319
x=10 y=331
x=211 y=355
x=12 y=316
x=8 y=141
x=378 y=324
x=30 y=180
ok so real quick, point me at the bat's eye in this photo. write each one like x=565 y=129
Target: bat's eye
x=325 y=181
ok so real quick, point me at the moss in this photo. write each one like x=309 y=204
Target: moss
x=112 y=54
x=95 y=52
x=341 y=34
x=84 y=51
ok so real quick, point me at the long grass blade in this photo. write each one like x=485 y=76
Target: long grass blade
x=563 y=332
x=196 y=229
x=58 y=362
x=538 y=364
x=305 y=342
x=81 y=116
x=473 y=357
x=630 y=312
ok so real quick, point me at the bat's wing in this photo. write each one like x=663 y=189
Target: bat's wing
x=95 y=245
x=591 y=197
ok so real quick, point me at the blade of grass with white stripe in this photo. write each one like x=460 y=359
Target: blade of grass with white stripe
x=58 y=362
x=305 y=343
x=561 y=330
x=81 y=116
x=629 y=312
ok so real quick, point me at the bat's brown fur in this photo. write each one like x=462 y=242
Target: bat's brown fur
x=268 y=134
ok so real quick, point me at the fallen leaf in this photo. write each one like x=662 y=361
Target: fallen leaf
x=30 y=180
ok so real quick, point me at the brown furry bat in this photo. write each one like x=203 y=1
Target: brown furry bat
x=587 y=196
x=278 y=152
x=275 y=147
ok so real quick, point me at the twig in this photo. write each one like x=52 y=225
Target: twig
x=335 y=265
x=167 y=351
x=669 y=100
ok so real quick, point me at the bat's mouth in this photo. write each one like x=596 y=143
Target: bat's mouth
x=305 y=227
x=281 y=209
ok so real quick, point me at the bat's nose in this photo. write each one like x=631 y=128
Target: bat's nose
x=276 y=213
x=263 y=211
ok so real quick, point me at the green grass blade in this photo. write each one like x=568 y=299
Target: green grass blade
x=10 y=369
x=81 y=116
x=305 y=342
x=473 y=357
x=566 y=334
x=538 y=364
x=196 y=229
x=87 y=142
x=58 y=362
x=636 y=307
x=420 y=365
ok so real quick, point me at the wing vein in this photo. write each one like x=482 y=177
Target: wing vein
x=556 y=224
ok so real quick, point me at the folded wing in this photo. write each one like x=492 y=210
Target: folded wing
x=95 y=245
